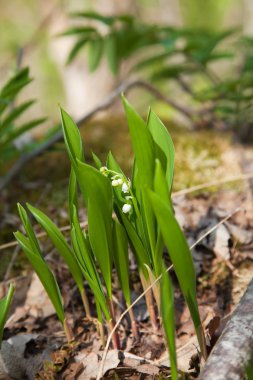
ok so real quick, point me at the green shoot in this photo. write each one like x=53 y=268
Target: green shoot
x=168 y=318
x=4 y=309
x=32 y=250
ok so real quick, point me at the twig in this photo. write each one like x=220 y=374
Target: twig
x=212 y=183
x=40 y=235
x=100 y=372
x=106 y=103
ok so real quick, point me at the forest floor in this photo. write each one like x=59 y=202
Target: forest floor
x=223 y=262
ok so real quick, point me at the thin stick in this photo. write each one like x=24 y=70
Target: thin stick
x=212 y=183
x=100 y=372
x=40 y=235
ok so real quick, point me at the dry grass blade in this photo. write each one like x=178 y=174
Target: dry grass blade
x=100 y=372
x=206 y=185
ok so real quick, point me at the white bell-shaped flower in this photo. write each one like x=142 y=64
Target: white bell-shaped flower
x=126 y=208
x=125 y=188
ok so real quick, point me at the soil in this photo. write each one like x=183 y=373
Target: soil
x=223 y=261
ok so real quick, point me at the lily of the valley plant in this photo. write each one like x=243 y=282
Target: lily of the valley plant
x=123 y=213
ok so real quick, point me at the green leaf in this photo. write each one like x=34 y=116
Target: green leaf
x=143 y=147
x=4 y=309
x=168 y=318
x=164 y=147
x=111 y=52
x=150 y=228
x=72 y=137
x=97 y=193
x=161 y=185
x=77 y=30
x=13 y=87
x=96 y=160
x=28 y=228
x=11 y=136
x=15 y=114
x=80 y=43
x=150 y=61
x=180 y=255
x=72 y=195
x=135 y=241
x=86 y=262
x=43 y=272
x=107 y=20
x=120 y=256
x=95 y=47
x=60 y=244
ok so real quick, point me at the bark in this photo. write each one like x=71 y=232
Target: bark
x=234 y=350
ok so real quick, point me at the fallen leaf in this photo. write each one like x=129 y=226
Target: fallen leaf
x=92 y=362
x=148 y=369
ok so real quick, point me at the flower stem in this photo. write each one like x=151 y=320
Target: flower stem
x=68 y=331
x=134 y=325
x=149 y=301
x=86 y=303
x=115 y=336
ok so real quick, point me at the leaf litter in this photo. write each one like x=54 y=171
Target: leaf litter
x=224 y=264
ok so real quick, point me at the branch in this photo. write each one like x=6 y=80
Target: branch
x=106 y=103
x=234 y=350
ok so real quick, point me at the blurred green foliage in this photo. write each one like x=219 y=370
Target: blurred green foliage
x=208 y=14
x=12 y=130
x=187 y=57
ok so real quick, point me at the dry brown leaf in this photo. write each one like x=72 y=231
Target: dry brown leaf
x=91 y=363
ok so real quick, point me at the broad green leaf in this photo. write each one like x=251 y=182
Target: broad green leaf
x=164 y=147
x=108 y=20
x=43 y=272
x=88 y=268
x=96 y=160
x=136 y=243
x=97 y=193
x=77 y=30
x=120 y=257
x=161 y=186
x=4 y=309
x=13 y=87
x=140 y=252
x=15 y=114
x=95 y=47
x=149 y=222
x=150 y=227
x=181 y=258
x=72 y=137
x=14 y=134
x=80 y=43
x=150 y=61
x=86 y=257
x=168 y=318
x=143 y=147
x=60 y=243
x=111 y=52
x=28 y=228
x=72 y=195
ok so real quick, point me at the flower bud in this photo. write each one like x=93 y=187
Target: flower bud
x=126 y=208
x=115 y=182
x=103 y=169
x=125 y=188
